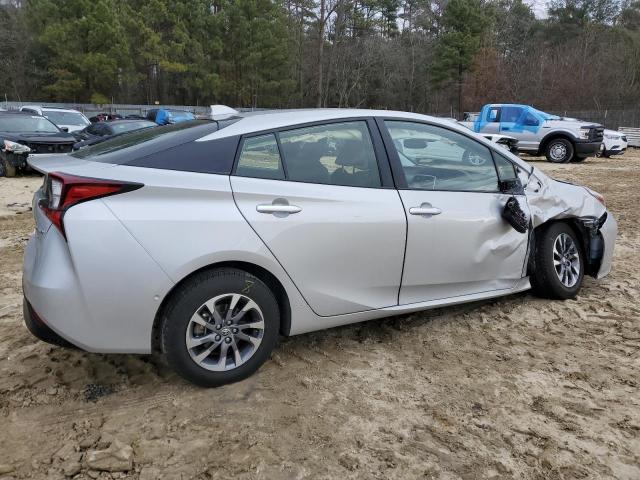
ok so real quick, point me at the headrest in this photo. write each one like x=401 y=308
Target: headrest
x=350 y=154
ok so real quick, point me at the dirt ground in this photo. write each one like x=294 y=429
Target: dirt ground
x=513 y=388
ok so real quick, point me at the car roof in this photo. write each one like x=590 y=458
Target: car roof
x=52 y=109
x=251 y=122
x=122 y=120
x=18 y=112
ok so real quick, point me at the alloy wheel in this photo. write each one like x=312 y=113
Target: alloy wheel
x=225 y=332
x=566 y=260
x=558 y=151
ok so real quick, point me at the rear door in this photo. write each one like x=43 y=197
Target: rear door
x=457 y=242
x=322 y=200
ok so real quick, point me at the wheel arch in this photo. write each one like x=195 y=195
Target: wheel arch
x=582 y=232
x=260 y=272
x=554 y=135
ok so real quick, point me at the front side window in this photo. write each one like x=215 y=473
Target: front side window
x=333 y=154
x=506 y=169
x=434 y=158
x=530 y=120
x=260 y=158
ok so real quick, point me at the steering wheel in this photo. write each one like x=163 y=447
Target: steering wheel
x=473 y=159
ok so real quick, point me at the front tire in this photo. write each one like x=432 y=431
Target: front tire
x=220 y=327
x=559 y=150
x=558 y=262
x=9 y=170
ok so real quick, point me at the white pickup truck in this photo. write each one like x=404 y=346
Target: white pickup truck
x=559 y=139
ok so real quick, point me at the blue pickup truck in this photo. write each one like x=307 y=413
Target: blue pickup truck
x=560 y=139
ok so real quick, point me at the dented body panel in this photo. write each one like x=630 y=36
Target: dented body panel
x=466 y=249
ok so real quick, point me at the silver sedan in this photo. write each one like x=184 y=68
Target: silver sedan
x=207 y=240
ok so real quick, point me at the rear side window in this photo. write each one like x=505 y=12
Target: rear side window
x=332 y=154
x=173 y=147
x=260 y=158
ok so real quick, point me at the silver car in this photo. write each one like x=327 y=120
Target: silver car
x=207 y=240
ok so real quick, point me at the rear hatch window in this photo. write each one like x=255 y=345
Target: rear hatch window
x=171 y=147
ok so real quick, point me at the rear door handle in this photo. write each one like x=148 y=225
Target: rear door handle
x=271 y=208
x=424 y=210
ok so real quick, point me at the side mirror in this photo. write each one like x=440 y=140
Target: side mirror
x=65 y=129
x=512 y=186
x=414 y=143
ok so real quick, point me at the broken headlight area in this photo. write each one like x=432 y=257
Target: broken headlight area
x=593 y=242
x=15 y=148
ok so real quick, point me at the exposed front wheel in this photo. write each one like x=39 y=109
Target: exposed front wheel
x=9 y=170
x=558 y=263
x=559 y=150
x=220 y=327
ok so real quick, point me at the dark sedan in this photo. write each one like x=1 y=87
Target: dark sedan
x=23 y=134
x=100 y=131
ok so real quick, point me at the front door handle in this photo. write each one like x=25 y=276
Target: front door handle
x=425 y=209
x=278 y=208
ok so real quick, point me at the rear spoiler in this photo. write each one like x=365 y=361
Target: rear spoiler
x=53 y=162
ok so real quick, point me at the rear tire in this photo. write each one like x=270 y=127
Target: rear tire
x=559 y=150
x=40 y=330
x=558 y=262
x=205 y=318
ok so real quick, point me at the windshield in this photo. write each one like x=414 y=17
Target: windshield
x=127 y=140
x=66 y=118
x=26 y=123
x=544 y=115
x=130 y=126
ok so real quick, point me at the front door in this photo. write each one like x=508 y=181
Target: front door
x=319 y=201
x=457 y=242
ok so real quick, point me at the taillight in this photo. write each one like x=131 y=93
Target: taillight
x=64 y=191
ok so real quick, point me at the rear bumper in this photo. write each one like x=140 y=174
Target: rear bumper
x=587 y=148
x=83 y=289
x=609 y=232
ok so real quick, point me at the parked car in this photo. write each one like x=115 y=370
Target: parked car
x=613 y=143
x=105 y=117
x=23 y=134
x=101 y=131
x=560 y=139
x=166 y=116
x=510 y=143
x=208 y=240
x=67 y=119
x=135 y=116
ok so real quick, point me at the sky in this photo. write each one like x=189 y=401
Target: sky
x=539 y=7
